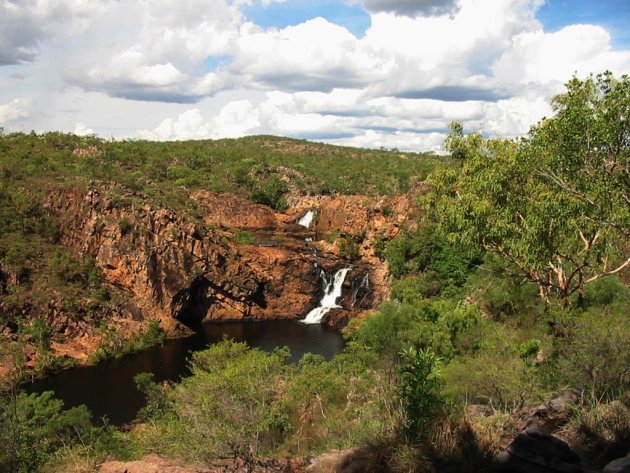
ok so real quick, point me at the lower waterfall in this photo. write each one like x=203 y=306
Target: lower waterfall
x=332 y=292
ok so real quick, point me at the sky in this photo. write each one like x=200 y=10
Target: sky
x=369 y=73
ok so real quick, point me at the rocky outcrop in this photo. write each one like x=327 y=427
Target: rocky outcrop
x=551 y=415
x=235 y=212
x=534 y=451
x=160 y=464
x=180 y=269
x=620 y=465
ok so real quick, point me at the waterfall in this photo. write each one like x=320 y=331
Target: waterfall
x=332 y=292
x=365 y=285
x=307 y=219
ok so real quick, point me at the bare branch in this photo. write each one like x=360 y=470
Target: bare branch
x=609 y=273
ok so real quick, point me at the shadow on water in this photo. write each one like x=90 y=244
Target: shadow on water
x=108 y=389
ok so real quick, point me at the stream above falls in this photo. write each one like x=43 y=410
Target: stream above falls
x=108 y=389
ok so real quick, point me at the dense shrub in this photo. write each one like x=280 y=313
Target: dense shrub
x=33 y=426
x=595 y=355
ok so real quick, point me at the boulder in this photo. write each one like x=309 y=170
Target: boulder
x=550 y=415
x=351 y=460
x=535 y=451
x=620 y=465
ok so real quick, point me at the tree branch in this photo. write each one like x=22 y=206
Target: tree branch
x=609 y=273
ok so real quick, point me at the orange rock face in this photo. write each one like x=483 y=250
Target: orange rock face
x=179 y=270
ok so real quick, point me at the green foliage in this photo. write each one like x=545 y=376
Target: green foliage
x=125 y=226
x=66 y=268
x=348 y=248
x=495 y=372
x=157 y=403
x=425 y=324
x=116 y=345
x=332 y=237
x=503 y=294
x=244 y=237
x=270 y=191
x=433 y=263
x=419 y=389
x=34 y=426
x=226 y=408
x=595 y=356
x=607 y=292
x=555 y=204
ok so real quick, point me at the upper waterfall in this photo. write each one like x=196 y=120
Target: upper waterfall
x=307 y=219
x=332 y=292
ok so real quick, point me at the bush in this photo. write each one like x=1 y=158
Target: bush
x=125 y=226
x=227 y=407
x=419 y=390
x=595 y=356
x=65 y=267
x=495 y=374
x=244 y=237
x=348 y=249
x=33 y=426
x=271 y=192
x=607 y=291
x=426 y=252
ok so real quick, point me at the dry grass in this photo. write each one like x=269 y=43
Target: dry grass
x=599 y=434
x=71 y=460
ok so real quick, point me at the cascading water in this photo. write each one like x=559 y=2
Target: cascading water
x=362 y=288
x=331 y=293
x=307 y=219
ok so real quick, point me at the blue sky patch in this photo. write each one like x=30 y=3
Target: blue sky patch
x=293 y=12
x=211 y=63
x=614 y=15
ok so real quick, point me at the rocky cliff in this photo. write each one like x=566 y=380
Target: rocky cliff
x=183 y=270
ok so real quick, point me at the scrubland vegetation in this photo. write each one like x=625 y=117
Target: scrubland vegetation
x=514 y=288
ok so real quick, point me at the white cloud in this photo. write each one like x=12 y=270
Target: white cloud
x=403 y=141
x=164 y=61
x=412 y=7
x=82 y=130
x=314 y=55
x=235 y=119
x=488 y=63
x=540 y=57
x=17 y=108
x=24 y=24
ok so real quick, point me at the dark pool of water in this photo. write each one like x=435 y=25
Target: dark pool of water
x=108 y=389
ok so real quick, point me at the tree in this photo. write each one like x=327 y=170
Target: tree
x=556 y=204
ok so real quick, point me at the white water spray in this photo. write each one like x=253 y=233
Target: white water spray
x=307 y=219
x=331 y=293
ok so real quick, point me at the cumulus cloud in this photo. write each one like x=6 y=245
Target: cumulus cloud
x=14 y=110
x=539 y=57
x=412 y=7
x=291 y=59
x=487 y=63
x=163 y=62
x=235 y=119
x=24 y=24
x=82 y=130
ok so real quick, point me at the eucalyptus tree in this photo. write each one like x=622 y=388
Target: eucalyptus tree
x=556 y=204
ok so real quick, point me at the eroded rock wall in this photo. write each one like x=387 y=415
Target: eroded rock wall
x=176 y=268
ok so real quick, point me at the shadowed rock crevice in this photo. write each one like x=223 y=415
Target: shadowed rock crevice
x=191 y=304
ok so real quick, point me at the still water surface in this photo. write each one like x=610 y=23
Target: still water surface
x=108 y=389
